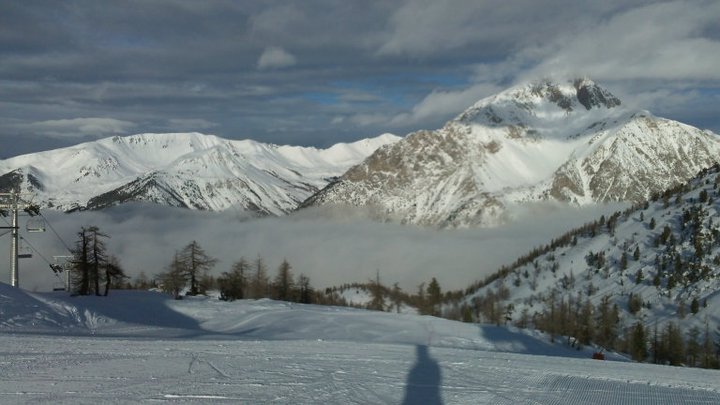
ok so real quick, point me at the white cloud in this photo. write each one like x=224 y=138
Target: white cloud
x=275 y=58
x=427 y=28
x=423 y=27
x=444 y=104
x=82 y=127
x=657 y=41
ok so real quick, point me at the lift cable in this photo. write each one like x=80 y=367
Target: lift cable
x=8 y=224
x=55 y=232
x=35 y=250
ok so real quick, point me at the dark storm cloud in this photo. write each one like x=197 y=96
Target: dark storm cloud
x=318 y=72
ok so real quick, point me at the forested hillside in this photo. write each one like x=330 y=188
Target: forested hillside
x=645 y=281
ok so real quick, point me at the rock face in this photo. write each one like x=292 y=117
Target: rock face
x=571 y=141
x=189 y=170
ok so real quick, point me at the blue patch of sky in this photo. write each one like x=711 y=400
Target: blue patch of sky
x=324 y=98
x=403 y=89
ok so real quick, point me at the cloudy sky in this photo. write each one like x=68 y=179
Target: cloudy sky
x=318 y=72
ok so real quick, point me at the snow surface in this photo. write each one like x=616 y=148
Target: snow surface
x=145 y=347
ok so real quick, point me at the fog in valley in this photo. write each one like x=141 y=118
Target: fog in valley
x=332 y=247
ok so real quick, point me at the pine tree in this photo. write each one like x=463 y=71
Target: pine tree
x=608 y=319
x=196 y=263
x=673 y=342
x=260 y=284
x=694 y=306
x=376 y=290
x=397 y=297
x=693 y=348
x=708 y=351
x=233 y=284
x=586 y=324
x=284 y=283
x=638 y=276
x=98 y=256
x=174 y=280
x=114 y=274
x=657 y=280
x=80 y=264
x=89 y=262
x=434 y=297
x=636 y=253
x=634 y=303
x=305 y=291
x=638 y=342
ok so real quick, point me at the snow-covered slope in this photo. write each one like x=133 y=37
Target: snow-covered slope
x=137 y=347
x=185 y=170
x=570 y=141
x=658 y=263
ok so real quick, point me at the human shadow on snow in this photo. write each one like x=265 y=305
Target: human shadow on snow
x=423 y=380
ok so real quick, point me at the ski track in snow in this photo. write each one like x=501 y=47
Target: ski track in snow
x=52 y=369
x=88 y=350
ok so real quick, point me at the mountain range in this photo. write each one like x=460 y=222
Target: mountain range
x=188 y=170
x=569 y=141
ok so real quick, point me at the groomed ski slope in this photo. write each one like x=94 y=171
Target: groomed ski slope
x=144 y=347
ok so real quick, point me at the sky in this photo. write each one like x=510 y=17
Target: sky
x=319 y=72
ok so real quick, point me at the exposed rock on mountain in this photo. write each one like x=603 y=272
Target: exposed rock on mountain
x=571 y=141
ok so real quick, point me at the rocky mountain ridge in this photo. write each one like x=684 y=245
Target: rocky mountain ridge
x=570 y=141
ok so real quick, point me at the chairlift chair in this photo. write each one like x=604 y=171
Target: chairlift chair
x=58 y=285
x=35 y=225
x=24 y=253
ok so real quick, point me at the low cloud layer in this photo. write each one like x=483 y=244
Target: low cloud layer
x=331 y=248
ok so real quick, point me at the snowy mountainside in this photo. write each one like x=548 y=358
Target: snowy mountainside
x=185 y=170
x=658 y=262
x=569 y=141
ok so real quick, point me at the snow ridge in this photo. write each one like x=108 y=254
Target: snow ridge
x=190 y=170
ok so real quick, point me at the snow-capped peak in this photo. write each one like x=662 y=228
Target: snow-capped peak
x=566 y=140
x=545 y=102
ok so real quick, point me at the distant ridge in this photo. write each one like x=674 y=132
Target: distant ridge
x=189 y=170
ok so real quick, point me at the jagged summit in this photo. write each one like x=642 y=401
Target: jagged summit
x=570 y=141
x=546 y=107
x=190 y=170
